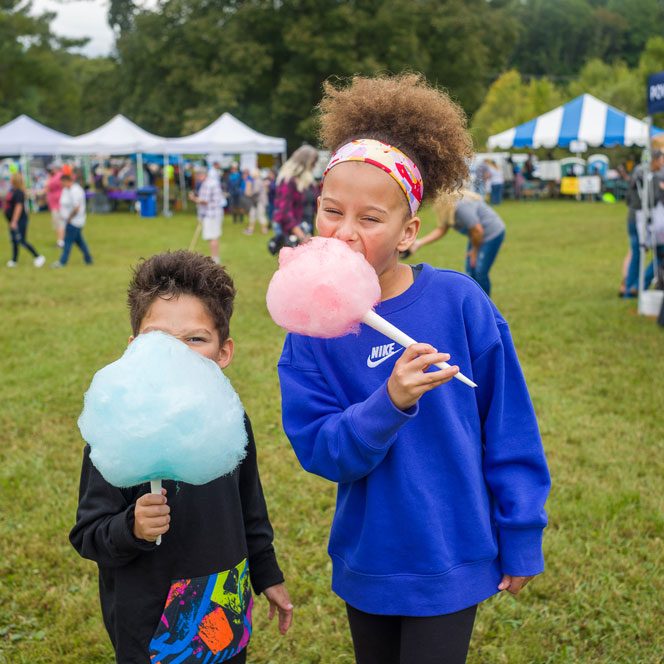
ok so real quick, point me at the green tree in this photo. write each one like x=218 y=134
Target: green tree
x=616 y=84
x=510 y=101
x=33 y=68
x=189 y=60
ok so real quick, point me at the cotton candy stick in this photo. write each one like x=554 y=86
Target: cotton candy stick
x=379 y=324
x=155 y=487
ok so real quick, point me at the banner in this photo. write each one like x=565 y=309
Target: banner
x=655 y=100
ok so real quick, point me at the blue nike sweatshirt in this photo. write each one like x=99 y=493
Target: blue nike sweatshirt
x=434 y=503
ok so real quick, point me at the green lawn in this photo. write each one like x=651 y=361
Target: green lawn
x=596 y=374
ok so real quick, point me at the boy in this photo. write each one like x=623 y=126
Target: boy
x=188 y=599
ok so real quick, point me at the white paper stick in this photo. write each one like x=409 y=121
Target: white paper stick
x=155 y=487
x=378 y=323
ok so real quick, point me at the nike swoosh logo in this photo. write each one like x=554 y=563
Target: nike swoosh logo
x=374 y=363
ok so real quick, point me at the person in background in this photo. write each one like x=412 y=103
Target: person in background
x=634 y=203
x=271 y=193
x=496 y=182
x=471 y=216
x=198 y=178
x=72 y=210
x=529 y=167
x=257 y=193
x=295 y=178
x=481 y=178
x=53 y=191
x=235 y=187
x=211 y=201
x=17 y=218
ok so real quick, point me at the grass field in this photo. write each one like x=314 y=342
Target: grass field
x=596 y=374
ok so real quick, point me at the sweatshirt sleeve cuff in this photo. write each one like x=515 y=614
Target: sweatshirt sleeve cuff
x=377 y=420
x=521 y=551
x=122 y=535
x=265 y=573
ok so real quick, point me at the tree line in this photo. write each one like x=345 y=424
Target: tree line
x=180 y=64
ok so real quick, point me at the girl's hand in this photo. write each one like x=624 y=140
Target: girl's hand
x=408 y=381
x=514 y=584
x=279 y=601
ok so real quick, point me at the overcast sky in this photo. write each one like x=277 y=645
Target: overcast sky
x=85 y=18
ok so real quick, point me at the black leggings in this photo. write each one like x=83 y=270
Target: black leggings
x=18 y=237
x=404 y=640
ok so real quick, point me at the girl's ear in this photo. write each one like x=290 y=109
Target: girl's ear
x=409 y=233
x=226 y=353
x=131 y=338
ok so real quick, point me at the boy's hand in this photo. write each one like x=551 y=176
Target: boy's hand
x=279 y=600
x=514 y=584
x=408 y=381
x=151 y=516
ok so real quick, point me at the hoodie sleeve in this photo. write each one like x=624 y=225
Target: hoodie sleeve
x=337 y=443
x=514 y=464
x=104 y=521
x=263 y=567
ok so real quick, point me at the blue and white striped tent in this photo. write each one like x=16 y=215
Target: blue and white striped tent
x=585 y=118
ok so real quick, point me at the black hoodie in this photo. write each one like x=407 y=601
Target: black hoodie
x=189 y=598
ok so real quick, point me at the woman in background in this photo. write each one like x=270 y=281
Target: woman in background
x=17 y=218
x=471 y=216
x=295 y=178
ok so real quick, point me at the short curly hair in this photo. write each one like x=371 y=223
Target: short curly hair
x=408 y=113
x=176 y=273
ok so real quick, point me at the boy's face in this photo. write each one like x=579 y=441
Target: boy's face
x=186 y=318
x=364 y=207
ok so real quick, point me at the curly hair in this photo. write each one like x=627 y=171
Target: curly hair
x=176 y=273
x=408 y=113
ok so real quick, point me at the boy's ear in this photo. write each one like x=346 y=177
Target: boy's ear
x=410 y=230
x=226 y=353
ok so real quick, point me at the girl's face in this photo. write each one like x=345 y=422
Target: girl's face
x=364 y=207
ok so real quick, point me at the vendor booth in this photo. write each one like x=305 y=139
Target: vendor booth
x=120 y=136
x=226 y=135
x=585 y=119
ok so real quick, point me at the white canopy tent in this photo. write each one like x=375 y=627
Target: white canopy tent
x=24 y=136
x=117 y=137
x=226 y=135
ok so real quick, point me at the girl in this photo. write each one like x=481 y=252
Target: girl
x=440 y=489
x=17 y=218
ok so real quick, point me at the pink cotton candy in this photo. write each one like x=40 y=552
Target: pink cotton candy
x=322 y=289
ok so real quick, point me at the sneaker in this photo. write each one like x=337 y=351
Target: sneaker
x=215 y=259
x=56 y=265
x=60 y=243
x=39 y=261
x=11 y=263
x=246 y=231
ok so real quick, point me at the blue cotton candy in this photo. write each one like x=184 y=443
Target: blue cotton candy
x=162 y=411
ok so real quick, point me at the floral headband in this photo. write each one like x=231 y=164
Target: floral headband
x=389 y=159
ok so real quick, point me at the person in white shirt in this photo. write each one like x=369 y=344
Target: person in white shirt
x=72 y=211
x=496 y=181
x=210 y=203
